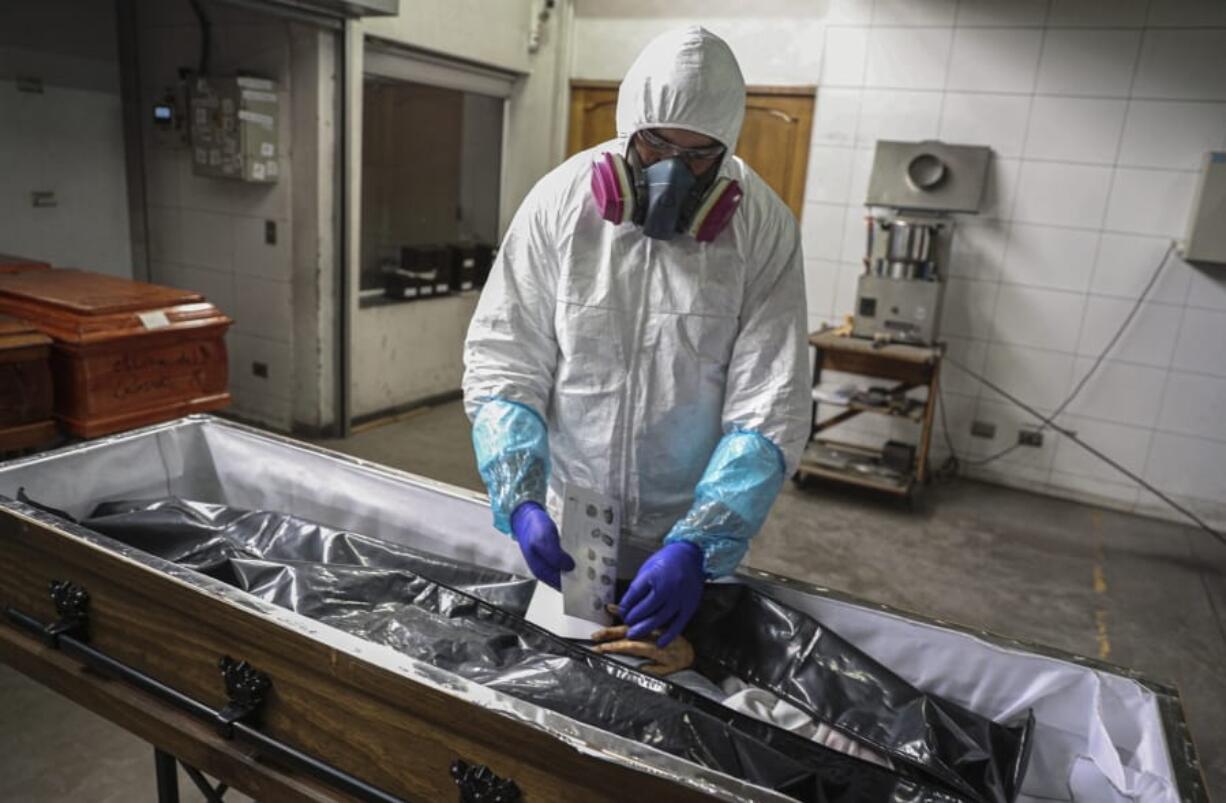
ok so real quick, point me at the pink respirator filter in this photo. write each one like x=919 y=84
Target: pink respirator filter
x=611 y=188
x=716 y=211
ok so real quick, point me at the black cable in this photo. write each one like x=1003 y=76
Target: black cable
x=1118 y=332
x=206 y=36
x=951 y=465
x=1102 y=355
x=1071 y=435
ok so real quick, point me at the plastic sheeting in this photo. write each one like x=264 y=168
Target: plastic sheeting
x=731 y=501
x=741 y=632
x=512 y=451
x=466 y=619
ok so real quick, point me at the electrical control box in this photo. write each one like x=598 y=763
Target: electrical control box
x=1205 y=243
x=899 y=310
x=234 y=128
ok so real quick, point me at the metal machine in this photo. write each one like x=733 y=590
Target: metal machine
x=915 y=186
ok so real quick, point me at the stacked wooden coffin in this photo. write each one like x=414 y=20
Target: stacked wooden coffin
x=10 y=263
x=25 y=386
x=124 y=353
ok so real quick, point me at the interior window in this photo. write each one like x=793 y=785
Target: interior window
x=431 y=165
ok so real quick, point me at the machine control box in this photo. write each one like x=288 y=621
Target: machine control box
x=1205 y=243
x=234 y=128
x=899 y=310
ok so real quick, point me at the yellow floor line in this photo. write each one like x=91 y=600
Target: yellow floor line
x=1100 y=588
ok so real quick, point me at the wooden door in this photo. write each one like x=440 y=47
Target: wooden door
x=774 y=138
x=593 y=114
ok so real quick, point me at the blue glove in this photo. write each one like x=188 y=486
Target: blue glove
x=665 y=593
x=537 y=537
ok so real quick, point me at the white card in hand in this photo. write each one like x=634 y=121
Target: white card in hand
x=591 y=529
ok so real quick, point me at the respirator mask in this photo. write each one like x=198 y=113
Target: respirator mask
x=665 y=198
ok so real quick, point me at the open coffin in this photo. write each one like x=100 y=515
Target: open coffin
x=1099 y=731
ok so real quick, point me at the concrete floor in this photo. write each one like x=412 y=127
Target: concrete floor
x=1142 y=593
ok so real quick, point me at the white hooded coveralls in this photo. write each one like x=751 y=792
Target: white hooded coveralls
x=672 y=375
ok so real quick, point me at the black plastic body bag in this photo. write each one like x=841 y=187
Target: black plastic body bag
x=468 y=620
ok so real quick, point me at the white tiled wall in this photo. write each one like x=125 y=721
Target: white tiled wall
x=66 y=138
x=208 y=234
x=1098 y=113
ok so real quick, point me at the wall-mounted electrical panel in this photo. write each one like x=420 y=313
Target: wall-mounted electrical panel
x=234 y=128
x=1205 y=243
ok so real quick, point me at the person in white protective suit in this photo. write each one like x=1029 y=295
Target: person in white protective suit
x=643 y=334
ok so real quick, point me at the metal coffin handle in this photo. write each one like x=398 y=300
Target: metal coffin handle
x=246 y=689
x=479 y=784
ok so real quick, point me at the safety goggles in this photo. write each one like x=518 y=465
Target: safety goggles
x=660 y=145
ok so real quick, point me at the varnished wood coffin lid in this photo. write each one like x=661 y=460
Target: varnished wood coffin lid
x=13 y=264
x=78 y=307
x=16 y=333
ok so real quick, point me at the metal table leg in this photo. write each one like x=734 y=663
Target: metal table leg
x=167 y=776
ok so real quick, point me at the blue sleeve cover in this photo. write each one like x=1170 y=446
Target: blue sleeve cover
x=731 y=501
x=512 y=449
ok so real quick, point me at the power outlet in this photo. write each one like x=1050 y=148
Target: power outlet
x=983 y=429
x=1030 y=437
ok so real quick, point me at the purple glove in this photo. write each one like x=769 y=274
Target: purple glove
x=537 y=537
x=665 y=593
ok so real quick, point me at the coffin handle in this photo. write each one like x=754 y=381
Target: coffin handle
x=246 y=690
x=479 y=784
x=72 y=606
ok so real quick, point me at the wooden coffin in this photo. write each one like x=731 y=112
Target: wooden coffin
x=126 y=353
x=397 y=724
x=25 y=386
x=10 y=263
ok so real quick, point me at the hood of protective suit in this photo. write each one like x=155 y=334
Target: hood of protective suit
x=689 y=79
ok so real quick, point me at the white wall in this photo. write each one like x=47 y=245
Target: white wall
x=208 y=234
x=480 y=166
x=406 y=352
x=67 y=139
x=776 y=43
x=1098 y=113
